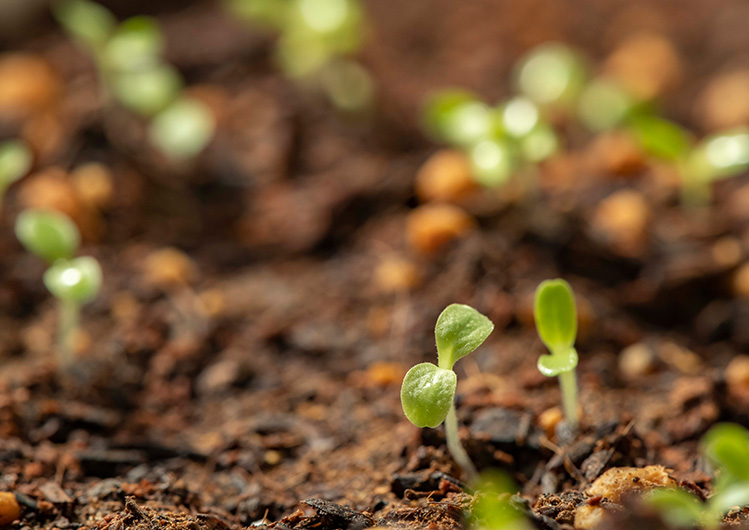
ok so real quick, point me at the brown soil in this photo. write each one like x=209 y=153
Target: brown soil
x=256 y=381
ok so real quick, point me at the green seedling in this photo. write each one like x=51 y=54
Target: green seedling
x=551 y=75
x=129 y=59
x=726 y=447
x=428 y=390
x=48 y=234
x=493 y=508
x=15 y=162
x=556 y=322
x=73 y=281
x=604 y=105
x=315 y=42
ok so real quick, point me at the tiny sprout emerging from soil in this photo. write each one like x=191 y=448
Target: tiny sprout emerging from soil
x=556 y=322
x=551 y=74
x=15 y=162
x=73 y=281
x=316 y=38
x=47 y=234
x=132 y=70
x=726 y=446
x=493 y=508
x=428 y=390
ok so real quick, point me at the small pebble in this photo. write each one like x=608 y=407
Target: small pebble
x=444 y=177
x=9 y=508
x=636 y=361
x=430 y=227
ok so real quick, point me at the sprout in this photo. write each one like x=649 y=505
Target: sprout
x=556 y=323
x=726 y=446
x=348 y=86
x=73 y=281
x=660 y=138
x=551 y=74
x=458 y=117
x=540 y=144
x=47 y=234
x=183 y=129
x=428 y=390
x=493 y=508
x=491 y=162
x=149 y=90
x=136 y=43
x=604 y=105
x=520 y=116
x=15 y=162
x=89 y=22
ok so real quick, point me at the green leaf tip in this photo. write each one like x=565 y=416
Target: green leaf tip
x=460 y=330
x=556 y=316
x=48 y=234
x=77 y=280
x=427 y=394
x=726 y=445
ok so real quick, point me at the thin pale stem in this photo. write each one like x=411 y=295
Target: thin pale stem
x=568 y=384
x=454 y=446
x=69 y=313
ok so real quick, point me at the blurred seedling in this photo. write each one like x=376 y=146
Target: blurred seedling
x=556 y=322
x=53 y=237
x=552 y=75
x=15 y=162
x=726 y=447
x=132 y=71
x=493 y=508
x=498 y=141
x=316 y=39
x=428 y=390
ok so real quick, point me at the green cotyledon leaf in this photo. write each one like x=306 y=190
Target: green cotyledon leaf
x=556 y=315
x=427 y=394
x=460 y=329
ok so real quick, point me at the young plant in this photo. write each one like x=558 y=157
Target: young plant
x=556 y=322
x=15 y=162
x=726 y=447
x=493 y=508
x=129 y=59
x=315 y=42
x=73 y=281
x=428 y=390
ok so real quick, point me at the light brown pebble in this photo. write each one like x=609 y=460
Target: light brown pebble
x=737 y=373
x=396 y=275
x=27 y=85
x=169 y=267
x=724 y=102
x=445 y=176
x=636 y=361
x=549 y=419
x=94 y=184
x=740 y=282
x=727 y=251
x=622 y=220
x=430 y=227
x=9 y=508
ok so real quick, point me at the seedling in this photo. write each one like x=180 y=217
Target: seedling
x=726 y=446
x=73 y=281
x=129 y=59
x=551 y=75
x=493 y=508
x=15 y=162
x=316 y=39
x=556 y=323
x=428 y=390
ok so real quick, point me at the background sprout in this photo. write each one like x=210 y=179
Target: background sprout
x=540 y=144
x=47 y=234
x=428 y=390
x=726 y=446
x=520 y=116
x=604 y=105
x=491 y=162
x=15 y=162
x=556 y=322
x=74 y=283
x=457 y=116
x=659 y=137
x=136 y=43
x=88 y=22
x=183 y=129
x=493 y=508
x=551 y=74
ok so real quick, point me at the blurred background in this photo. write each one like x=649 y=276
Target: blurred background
x=283 y=195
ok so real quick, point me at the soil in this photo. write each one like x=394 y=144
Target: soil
x=251 y=378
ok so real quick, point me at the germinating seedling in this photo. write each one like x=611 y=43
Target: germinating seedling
x=556 y=323
x=73 y=281
x=726 y=446
x=129 y=59
x=493 y=508
x=428 y=390
x=15 y=162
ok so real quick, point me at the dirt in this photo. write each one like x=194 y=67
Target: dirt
x=251 y=377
